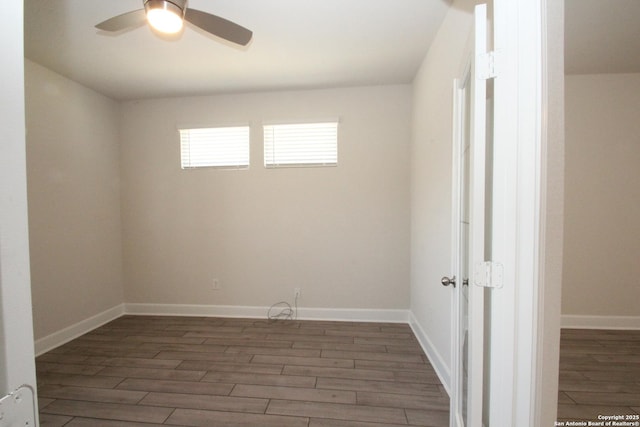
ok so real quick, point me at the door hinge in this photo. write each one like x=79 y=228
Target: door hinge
x=488 y=65
x=489 y=274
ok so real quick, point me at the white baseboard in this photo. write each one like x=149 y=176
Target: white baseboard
x=438 y=363
x=355 y=315
x=69 y=333
x=572 y=321
x=65 y=335
x=194 y=310
x=334 y=314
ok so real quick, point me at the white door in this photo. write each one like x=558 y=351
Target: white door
x=505 y=388
x=470 y=129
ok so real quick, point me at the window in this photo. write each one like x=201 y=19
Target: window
x=220 y=147
x=305 y=144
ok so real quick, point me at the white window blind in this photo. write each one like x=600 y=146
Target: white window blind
x=303 y=144
x=222 y=147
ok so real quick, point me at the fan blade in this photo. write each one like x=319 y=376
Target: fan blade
x=219 y=26
x=124 y=21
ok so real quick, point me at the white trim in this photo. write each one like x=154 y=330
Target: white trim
x=551 y=187
x=69 y=333
x=513 y=371
x=436 y=360
x=193 y=310
x=460 y=84
x=476 y=197
x=300 y=121
x=576 y=321
x=528 y=215
x=453 y=386
x=354 y=314
x=334 y=314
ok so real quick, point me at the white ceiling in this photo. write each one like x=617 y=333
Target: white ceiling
x=296 y=44
x=602 y=36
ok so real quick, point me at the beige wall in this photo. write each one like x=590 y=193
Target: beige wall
x=431 y=196
x=74 y=200
x=602 y=198
x=340 y=234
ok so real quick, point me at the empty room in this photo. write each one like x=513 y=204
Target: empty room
x=188 y=283
x=599 y=371
x=170 y=257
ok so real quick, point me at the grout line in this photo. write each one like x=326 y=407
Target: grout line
x=169 y=416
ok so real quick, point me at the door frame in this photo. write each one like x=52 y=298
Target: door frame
x=469 y=110
x=456 y=210
x=525 y=312
x=525 y=319
x=17 y=355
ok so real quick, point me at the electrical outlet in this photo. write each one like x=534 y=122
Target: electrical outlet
x=296 y=293
x=216 y=285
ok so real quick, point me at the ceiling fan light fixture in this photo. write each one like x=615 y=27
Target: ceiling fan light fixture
x=168 y=16
x=165 y=16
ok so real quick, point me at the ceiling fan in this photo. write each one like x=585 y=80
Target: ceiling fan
x=168 y=16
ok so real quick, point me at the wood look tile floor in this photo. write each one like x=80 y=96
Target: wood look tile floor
x=210 y=372
x=599 y=374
